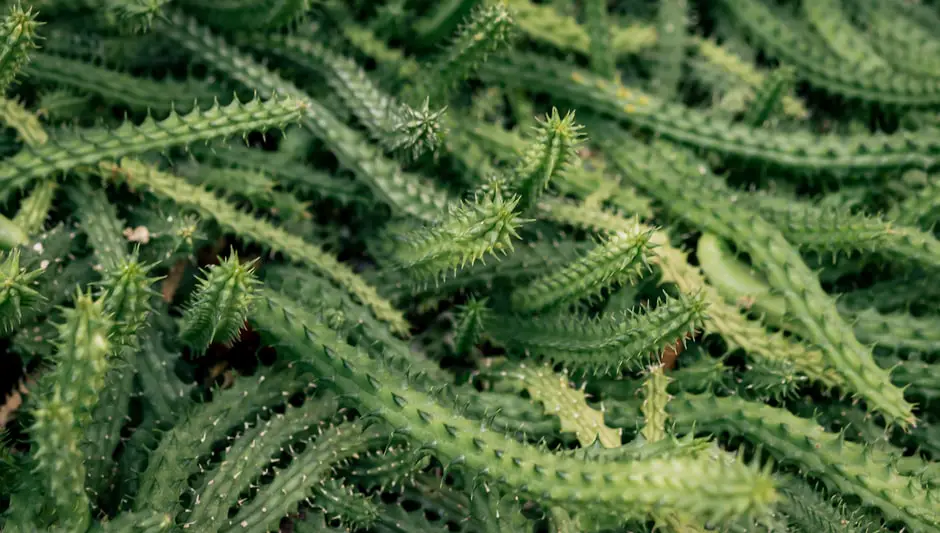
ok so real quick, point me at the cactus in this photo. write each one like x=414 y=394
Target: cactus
x=469 y=265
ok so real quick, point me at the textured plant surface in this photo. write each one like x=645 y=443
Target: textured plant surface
x=469 y=266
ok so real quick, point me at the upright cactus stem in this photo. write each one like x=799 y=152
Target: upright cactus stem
x=18 y=35
x=487 y=30
x=655 y=398
x=218 y=309
x=552 y=152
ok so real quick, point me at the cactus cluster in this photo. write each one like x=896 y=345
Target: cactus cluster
x=469 y=266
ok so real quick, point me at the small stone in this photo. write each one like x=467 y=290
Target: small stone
x=139 y=234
